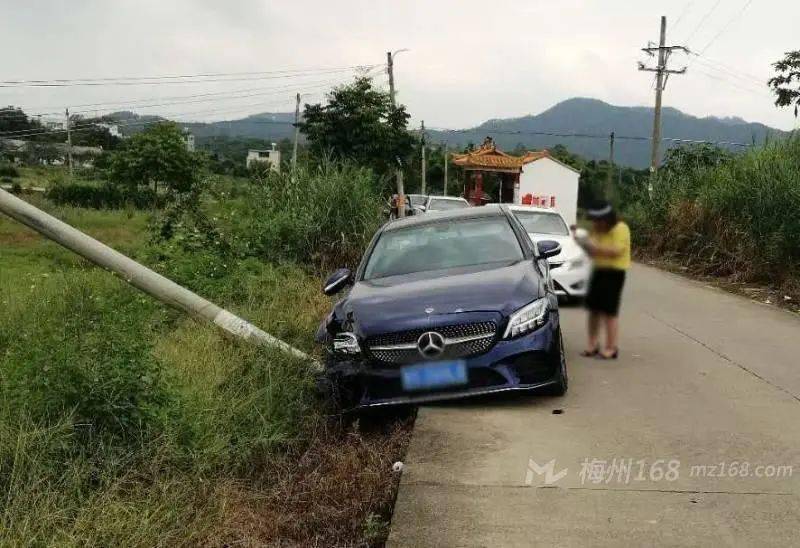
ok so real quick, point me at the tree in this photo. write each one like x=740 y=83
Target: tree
x=688 y=157
x=786 y=85
x=156 y=156
x=359 y=124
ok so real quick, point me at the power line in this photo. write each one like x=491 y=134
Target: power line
x=728 y=24
x=121 y=80
x=702 y=21
x=588 y=136
x=132 y=102
x=685 y=11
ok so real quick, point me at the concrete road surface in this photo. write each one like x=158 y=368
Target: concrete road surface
x=686 y=440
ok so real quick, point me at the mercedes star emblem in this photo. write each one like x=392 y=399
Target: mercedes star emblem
x=430 y=345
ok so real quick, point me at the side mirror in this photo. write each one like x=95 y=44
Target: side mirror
x=337 y=281
x=548 y=248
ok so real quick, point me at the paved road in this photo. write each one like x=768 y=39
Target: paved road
x=705 y=378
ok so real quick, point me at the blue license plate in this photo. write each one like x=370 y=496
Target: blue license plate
x=427 y=376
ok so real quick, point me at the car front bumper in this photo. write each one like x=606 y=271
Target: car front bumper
x=572 y=283
x=529 y=362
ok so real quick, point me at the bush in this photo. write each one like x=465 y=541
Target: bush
x=81 y=349
x=737 y=217
x=102 y=196
x=324 y=216
x=8 y=170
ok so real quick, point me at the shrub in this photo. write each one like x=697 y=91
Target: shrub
x=101 y=197
x=81 y=348
x=324 y=216
x=8 y=170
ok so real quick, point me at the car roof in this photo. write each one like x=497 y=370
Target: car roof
x=537 y=209
x=436 y=216
x=452 y=198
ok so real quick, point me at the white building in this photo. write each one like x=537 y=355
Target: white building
x=272 y=157
x=545 y=181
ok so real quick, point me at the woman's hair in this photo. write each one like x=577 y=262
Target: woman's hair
x=604 y=212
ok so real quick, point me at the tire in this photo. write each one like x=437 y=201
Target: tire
x=562 y=381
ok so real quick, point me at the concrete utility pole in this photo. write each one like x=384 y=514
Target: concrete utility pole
x=424 y=168
x=662 y=75
x=610 y=176
x=69 y=144
x=139 y=276
x=296 y=132
x=401 y=195
x=446 y=161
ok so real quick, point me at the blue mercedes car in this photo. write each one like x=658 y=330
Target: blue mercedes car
x=445 y=305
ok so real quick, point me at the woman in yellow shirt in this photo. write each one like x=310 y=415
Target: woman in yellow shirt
x=610 y=246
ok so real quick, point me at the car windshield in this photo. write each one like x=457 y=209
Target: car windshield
x=417 y=199
x=539 y=222
x=441 y=205
x=441 y=245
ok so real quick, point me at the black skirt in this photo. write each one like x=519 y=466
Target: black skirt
x=605 y=290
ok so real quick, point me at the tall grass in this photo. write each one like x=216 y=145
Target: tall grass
x=740 y=218
x=324 y=215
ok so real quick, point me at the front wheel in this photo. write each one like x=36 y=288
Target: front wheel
x=562 y=380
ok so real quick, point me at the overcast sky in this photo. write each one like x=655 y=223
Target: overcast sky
x=469 y=60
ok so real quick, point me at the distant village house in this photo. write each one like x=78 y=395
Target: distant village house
x=272 y=157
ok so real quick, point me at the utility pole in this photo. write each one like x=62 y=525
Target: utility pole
x=662 y=75
x=424 y=162
x=69 y=145
x=137 y=275
x=401 y=195
x=446 y=161
x=610 y=177
x=296 y=133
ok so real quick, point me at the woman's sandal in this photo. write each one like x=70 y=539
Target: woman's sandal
x=590 y=353
x=612 y=356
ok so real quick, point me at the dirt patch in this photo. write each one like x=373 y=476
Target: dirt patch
x=340 y=491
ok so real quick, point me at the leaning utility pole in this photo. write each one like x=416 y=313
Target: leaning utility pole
x=610 y=177
x=424 y=167
x=401 y=195
x=137 y=275
x=296 y=132
x=446 y=160
x=662 y=75
x=69 y=144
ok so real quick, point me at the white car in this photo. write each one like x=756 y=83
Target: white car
x=445 y=203
x=571 y=268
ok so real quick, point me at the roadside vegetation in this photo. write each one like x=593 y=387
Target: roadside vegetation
x=123 y=422
x=735 y=216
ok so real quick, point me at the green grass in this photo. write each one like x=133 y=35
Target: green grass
x=124 y=423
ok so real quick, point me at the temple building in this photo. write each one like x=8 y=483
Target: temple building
x=535 y=178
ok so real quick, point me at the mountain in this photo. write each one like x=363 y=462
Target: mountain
x=594 y=117
x=267 y=126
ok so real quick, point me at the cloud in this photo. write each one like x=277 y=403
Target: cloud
x=469 y=60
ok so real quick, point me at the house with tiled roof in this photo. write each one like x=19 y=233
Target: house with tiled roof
x=535 y=178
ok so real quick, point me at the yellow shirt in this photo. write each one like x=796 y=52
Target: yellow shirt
x=618 y=237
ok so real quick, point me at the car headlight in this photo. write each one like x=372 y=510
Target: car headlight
x=346 y=343
x=529 y=317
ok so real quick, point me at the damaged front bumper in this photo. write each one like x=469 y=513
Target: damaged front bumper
x=530 y=362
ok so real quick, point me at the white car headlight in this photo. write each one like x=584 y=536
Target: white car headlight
x=529 y=317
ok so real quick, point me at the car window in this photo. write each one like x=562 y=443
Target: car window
x=417 y=199
x=441 y=245
x=540 y=222
x=441 y=205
